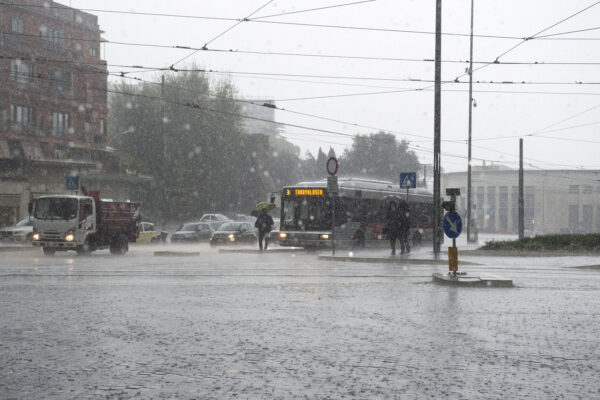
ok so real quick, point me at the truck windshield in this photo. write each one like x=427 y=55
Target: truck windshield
x=55 y=208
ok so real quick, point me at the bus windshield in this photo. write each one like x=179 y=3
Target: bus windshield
x=306 y=213
x=55 y=208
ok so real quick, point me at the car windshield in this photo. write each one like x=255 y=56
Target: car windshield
x=23 y=222
x=59 y=208
x=189 y=227
x=231 y=226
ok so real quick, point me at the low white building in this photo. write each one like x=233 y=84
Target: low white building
x=556 y=201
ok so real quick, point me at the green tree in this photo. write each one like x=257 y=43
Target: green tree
x=378 y=156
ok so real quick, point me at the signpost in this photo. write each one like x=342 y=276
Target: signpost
x=332 y=189
x=408 y=180
x=72 y=182
x=452 y=224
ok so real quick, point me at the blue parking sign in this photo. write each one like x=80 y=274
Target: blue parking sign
x=72 y=182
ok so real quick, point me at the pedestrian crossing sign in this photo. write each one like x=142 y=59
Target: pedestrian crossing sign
x=72 y=182
x=408 y=180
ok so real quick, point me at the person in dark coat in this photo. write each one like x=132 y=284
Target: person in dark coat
x=392 y=225
x=264 y=224
x=404 y=227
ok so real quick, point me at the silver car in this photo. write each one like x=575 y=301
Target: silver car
x=21 y=232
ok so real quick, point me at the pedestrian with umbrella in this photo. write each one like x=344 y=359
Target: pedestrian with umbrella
x=264 y=223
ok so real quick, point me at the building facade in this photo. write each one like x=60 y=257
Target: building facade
x=53 y=105
x=555 y=201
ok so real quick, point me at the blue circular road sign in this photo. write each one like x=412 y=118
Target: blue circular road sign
x=452 y=224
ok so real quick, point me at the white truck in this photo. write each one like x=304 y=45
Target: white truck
x=82 y=223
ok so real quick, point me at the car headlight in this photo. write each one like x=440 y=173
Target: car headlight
x=282 y=235
x=231 y=237
x=324 y=236
x=36 y=236
x=70 y=237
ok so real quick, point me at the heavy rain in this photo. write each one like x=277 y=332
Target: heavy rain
x=274 y=199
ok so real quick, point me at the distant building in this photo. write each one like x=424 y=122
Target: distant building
x=260 y=117
x=556 y=201
x=53 y=104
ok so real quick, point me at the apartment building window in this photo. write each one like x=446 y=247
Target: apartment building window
x=3 y=121
x=17 y=26
x=21 y=72
x=491 y=208
x=574 y=217
x=102 y=127
x=588 y=215
x=514 y=198
x=588 y=189
x=52 y=36
x=503 y=208
x=529 y=207
x=61 y=81
x=573 y=189
x=94 y=49
x=60 y=123
x=21 y=116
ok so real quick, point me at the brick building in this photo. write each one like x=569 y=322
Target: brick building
x=53 y=105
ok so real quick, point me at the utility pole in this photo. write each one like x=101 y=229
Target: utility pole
x=437 y=204
x=164 y=146
x=521 y=190
x=469 y=182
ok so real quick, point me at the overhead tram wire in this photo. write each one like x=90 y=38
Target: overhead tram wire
x=275 y=107
x=317 y=55
x=314 y=9
x=526 y=39
x=223 y=33
x=259 y=20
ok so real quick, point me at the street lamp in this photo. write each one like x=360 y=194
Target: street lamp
x=113 y=137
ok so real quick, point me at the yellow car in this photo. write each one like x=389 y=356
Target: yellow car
x=147 y=233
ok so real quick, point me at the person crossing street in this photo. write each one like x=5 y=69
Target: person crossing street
x=264 y=224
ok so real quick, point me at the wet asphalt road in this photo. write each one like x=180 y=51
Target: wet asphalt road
x=282 y=326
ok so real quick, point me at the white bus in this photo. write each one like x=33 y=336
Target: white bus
x=360 y=213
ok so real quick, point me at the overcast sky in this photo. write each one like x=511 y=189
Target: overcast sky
x=560 y=113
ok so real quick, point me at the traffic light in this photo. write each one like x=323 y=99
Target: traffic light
x=449 y=206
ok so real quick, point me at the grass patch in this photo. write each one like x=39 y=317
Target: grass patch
x=589 y=242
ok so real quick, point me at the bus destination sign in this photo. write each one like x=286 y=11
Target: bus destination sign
x=304 y=192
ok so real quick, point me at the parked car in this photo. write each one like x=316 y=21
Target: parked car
x=215 y=225
x=234 y=233
x=22 y=231
x=147 y=233
x=192 y=232
x=213 y=217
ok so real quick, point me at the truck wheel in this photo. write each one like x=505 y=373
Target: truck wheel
x=48 y=251
x=119 y=245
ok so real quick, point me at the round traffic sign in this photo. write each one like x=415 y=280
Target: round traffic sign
x=452 y=224
x=332 y=166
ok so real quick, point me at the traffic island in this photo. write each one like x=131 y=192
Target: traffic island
x=464 y=279
x=17 y=248
x=392 y=260
x=177 y=253
x=286 y=250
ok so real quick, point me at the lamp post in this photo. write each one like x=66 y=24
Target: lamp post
x=113 y=137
